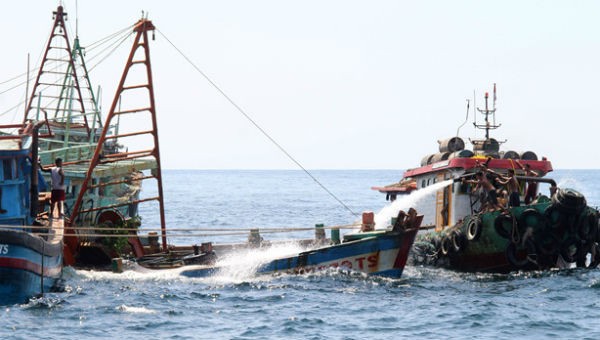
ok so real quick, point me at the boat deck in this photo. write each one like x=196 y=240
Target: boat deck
x=112 y=169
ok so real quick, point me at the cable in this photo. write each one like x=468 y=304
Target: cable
x=118 y=44
x=256 y=124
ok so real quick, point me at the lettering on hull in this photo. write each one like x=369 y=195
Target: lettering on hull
x=367 y=263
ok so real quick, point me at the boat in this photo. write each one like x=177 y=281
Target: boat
x=375 y=252
x=31 y=247
x=62 y=97
x=381 y=253
x=548 y=229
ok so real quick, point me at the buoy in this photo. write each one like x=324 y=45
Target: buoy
x=368 y=221
x=319 y=232
x=117 y=265
x=335 y=236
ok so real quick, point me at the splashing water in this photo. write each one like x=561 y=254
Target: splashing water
x=383 y=217
x=241 y=266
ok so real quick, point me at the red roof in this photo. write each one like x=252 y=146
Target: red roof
x=544 y=166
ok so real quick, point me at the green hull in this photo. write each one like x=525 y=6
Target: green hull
x=533 y=237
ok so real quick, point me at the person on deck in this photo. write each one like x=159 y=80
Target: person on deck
x=531 y=191
x=57 y=176
x=513 y=187
x=481 y=181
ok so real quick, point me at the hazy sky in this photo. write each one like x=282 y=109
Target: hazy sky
x=344 y=84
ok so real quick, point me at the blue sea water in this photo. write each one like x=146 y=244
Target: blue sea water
x=426 y=303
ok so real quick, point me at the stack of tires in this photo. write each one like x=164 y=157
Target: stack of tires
x=567 y=228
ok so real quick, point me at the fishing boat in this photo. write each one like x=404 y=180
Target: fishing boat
x=464 y=230
x=378 y=252
x=31 y=247
x=372 y=252
x=63 y=99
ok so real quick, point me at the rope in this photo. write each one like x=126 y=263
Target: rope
x=247 y=116
x=515 y=237
x=101 y=41
x=168 y=235
x=245 y=230
x=117 y=44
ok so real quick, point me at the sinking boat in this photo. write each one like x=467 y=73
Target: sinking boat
x=63 y=99
x=31 y=248
x=462 y=231
x=377 y=252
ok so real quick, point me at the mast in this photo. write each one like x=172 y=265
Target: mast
x=144 y=107
x=56 y=62
x=487 y=112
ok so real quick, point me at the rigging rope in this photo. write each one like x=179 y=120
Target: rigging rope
x=244 y=230
x=102 y=41
x=117 y=44
x=247 y=116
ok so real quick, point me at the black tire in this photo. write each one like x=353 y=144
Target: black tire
x=514 y=254
x=500 y=225
x=569 y=201
x=569 y=249
x=474 y=228
x=539 y=219
x=587 y=228
x=458 y=241
x=546 y=242
x=446 y=245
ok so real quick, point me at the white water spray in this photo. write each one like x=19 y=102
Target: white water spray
x=241 y=266
x=383 y=217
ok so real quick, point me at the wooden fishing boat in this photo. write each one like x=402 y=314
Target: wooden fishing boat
x=381 y=252
x=31 y=248
x=63 y=99
x=377 y=252
x=465 y=232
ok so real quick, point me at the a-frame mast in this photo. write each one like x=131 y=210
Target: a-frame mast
x=64 y=67
x=141 y=28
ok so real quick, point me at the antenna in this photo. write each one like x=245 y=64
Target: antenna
x=487 y=112
x=466 y=118
x=76 y=19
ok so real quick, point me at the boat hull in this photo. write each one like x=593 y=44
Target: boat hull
x=29 y=266
x=532 y=237
x=379 y=253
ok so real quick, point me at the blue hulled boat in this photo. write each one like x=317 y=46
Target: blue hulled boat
x=30 y=249
x=373 y=252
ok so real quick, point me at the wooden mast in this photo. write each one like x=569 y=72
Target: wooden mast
x=141 y=28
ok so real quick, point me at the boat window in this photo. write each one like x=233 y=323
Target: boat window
x=423 y=184
x=7 y=169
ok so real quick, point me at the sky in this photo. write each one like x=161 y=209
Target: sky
x=342 y=84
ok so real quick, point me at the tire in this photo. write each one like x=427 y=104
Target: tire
x=513 y=254
x=446 y=244
x=458 y=241
x=500 y=224
x=474 y=228
x=587 y=228
x=569 y=249
x=546 y=242
x=540 y=222
x=569 y=201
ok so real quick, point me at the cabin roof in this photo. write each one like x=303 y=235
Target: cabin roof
x=544 y=166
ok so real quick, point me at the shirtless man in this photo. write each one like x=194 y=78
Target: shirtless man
x=531 y=190
x=482 y=182
x=513 y=187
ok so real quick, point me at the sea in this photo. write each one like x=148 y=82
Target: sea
x=221 y=205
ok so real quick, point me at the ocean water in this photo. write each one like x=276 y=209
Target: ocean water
x=425 y=303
